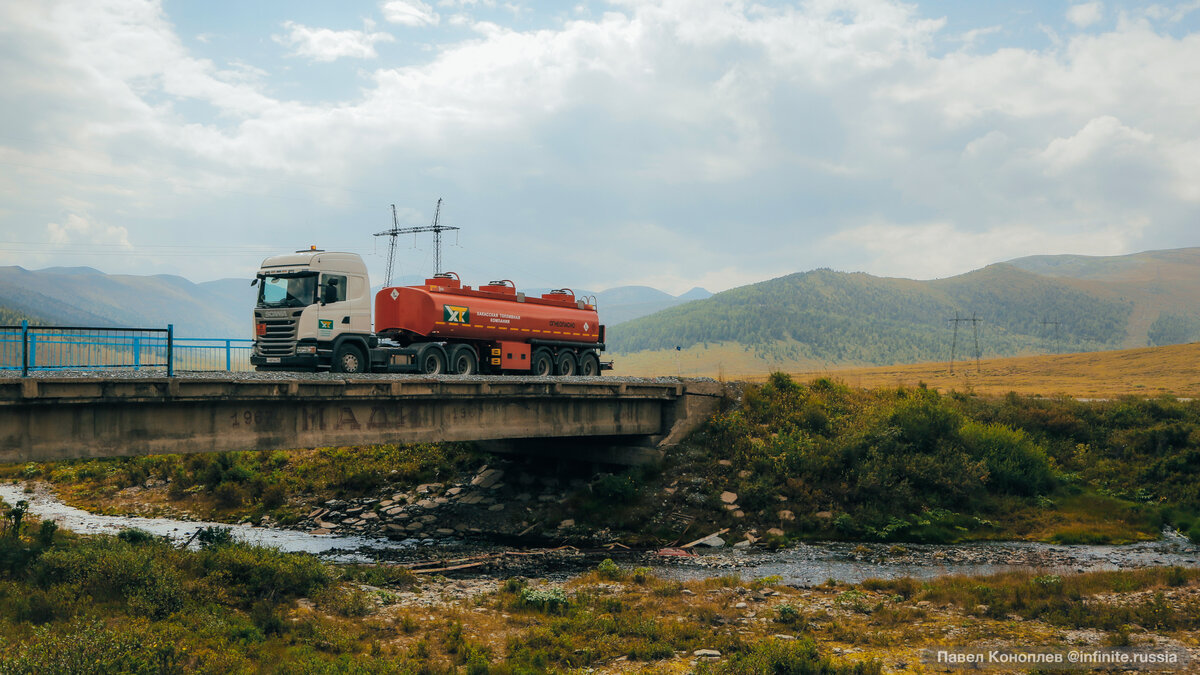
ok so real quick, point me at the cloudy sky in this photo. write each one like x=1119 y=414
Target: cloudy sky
x=672 y=143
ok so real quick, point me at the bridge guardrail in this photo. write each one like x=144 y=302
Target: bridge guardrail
x=40 y=348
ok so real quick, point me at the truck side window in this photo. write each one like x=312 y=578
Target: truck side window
x=333 y=288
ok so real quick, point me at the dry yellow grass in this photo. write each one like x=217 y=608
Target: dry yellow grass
x=1149 y=371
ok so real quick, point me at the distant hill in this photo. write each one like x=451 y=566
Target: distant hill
x=824 y=318
x=1164 y=287
x=624 y=303
x=82 y=296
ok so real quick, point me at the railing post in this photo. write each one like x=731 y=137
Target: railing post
x=137 y=353
x=170 y=350
x=24 y=348
x=228 y=355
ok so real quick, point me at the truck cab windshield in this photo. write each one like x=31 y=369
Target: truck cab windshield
x=293 y=290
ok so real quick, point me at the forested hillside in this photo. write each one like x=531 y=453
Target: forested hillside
x=858 y=318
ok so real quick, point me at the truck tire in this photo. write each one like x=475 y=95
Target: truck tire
x=566 y=365
x=589 y=364
x=348 y=358
x=432 y=361
x=542 y=363
x=464 y=362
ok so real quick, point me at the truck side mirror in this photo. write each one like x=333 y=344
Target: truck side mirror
x=254 y=282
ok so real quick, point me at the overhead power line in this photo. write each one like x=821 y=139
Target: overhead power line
x=436 y=228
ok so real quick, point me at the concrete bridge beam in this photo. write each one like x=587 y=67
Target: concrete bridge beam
x=48 y=419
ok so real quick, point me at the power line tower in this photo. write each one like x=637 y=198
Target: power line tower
x=436 y=228
x=954 y=344
x=1046 y=322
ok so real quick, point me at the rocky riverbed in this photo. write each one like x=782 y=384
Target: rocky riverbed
x=408 y=529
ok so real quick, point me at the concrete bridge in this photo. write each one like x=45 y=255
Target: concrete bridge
x=605 y=419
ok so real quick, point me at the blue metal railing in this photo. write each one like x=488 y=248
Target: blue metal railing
x=36 y=348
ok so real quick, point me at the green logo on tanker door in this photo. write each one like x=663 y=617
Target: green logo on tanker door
x=453 y=314
x=325 y=324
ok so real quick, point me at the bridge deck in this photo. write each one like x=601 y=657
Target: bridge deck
x=49 y=418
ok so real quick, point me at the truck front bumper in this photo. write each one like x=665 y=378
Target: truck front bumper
x=304 y=361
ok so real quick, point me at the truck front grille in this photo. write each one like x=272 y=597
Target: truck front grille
x=280 y=336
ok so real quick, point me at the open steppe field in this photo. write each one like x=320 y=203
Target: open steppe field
x=1147 y=371
x=1150 y=371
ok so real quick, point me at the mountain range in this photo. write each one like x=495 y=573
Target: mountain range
x=808 y=320
x=823 y=318
x=82 y=296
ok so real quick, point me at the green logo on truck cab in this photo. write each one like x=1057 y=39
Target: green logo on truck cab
x=453 y=314
x=325 y=324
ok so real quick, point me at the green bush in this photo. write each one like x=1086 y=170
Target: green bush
x=548 y=600
x=214 y=536
x=251 y=572
x=87 y=646
x=607 y=569
x=145 y=576
x=1015 y=464
x=132 y=535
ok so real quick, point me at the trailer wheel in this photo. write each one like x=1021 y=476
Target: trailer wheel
x=464 y=362
x=348 y=359
x=589 y=364
x=567 y=365
x=432 y=361
x=542 y=363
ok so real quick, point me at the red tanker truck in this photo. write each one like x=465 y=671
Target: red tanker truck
x=313 y=312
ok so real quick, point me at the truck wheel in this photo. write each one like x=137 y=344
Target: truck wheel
x=566 y=363
x=348 y=359
x=542 y=364
x=432 y=361
x=589 y=365
x=464 y=362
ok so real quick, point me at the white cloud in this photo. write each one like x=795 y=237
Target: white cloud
x=1102 y=135
x=694 y=118
x=77 y=229
x=1085 y=14
x=409 y=13
x=324 y=44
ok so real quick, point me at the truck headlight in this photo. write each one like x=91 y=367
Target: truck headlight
x=306 y=349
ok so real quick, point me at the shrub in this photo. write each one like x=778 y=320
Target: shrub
x=247 y=573
x=607 y=569
x=88 y=646
x=614 y=489
x=145 y=576
x=134 y=536
x=1015 y=464
x=229 y=495
x=548 y=600
x=214 y=536
x=790 y=616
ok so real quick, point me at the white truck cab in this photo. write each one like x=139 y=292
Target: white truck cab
x=313 y=310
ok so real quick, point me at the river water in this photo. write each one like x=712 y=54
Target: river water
x=804 y=564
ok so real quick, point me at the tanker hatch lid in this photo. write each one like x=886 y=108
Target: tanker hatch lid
x=444 y=281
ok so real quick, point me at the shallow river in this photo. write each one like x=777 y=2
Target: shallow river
x=805 y=564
